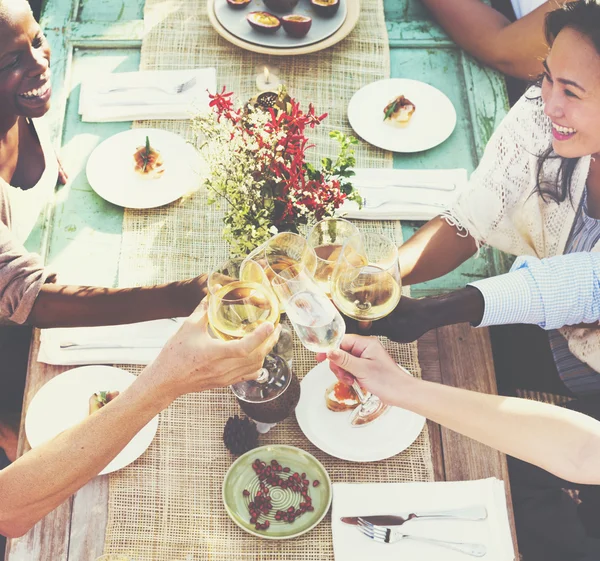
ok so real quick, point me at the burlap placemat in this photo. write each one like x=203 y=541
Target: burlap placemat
x=167 y=506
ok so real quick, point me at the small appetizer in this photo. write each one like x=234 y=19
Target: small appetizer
x=264 y=22
x=238 y=4
x=281 y=5
x=399 y=111
x=296 y=25
x=100 y=399
x=340 y=397
x=326 y=8
x=148 y=162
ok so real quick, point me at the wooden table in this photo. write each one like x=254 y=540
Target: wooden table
x=89 y=37
x=456 y=355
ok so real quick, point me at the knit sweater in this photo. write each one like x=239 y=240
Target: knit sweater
x=500 y=207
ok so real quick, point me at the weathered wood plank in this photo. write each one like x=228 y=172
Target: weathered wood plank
x=429 y=360
x=466 y=362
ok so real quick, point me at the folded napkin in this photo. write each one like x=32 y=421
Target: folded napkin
x=135 y=343
x=403 y=194
x=356 y=499
x=97 y=104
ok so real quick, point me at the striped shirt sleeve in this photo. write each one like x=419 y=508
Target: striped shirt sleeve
x=551 y=292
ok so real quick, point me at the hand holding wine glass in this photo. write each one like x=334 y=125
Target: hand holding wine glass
x=366 y=286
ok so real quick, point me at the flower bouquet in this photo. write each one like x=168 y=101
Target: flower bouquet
x=256 y=157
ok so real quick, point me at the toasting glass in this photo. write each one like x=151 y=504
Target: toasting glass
x=240 y=301
x=366 y=286
x=327 y=238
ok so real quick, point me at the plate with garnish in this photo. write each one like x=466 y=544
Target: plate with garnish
x=402 y=115
x=322 y=414
x=71 y=397
x=143 y=168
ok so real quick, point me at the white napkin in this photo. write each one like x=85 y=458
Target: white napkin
x=408 y=194
x=135 y=343
x=356 y=499
x=96 y=105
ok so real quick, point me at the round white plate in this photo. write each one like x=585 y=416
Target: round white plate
x=63 y=402
x=110 y=169
x=331 y=432
x=234 y=21
x=432 y=122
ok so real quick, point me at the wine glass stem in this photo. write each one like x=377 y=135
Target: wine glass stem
x=361 y=394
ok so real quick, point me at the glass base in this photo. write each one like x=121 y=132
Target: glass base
x=367 y=412
x=263 y=428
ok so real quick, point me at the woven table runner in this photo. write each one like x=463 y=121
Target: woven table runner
x=167 y=505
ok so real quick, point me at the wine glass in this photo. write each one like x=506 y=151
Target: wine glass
x=318 y=324
x=366 y=286
x=327 y=238
x=284 y=251
x=239 y=302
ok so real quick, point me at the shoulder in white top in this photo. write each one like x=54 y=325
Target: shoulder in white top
x=27 y=206
x=523 y=7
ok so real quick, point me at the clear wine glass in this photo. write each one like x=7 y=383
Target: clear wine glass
x=317 y=322
x=239 y=302
x=327 y=238
x=366 y=286
x=282 y=252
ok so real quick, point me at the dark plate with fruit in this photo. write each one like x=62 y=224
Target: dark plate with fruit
x=277 y=492
x=305 y=22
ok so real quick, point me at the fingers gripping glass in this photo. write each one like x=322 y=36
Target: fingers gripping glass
x=366 y=286
x=240 y=301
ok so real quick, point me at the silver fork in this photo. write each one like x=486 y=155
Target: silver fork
x=370 y=202
x=175 y=89
x=383 y=534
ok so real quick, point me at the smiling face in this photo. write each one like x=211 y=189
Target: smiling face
x=571 y=94
x=24 y=64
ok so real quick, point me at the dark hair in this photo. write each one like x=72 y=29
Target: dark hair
x=583 y=16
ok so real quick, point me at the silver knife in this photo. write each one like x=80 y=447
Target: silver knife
x=397 y=519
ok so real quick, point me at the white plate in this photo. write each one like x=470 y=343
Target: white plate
x=110 y=169
x=432 y=122
x=63 y=402
x=234 y=21
x=331 y=432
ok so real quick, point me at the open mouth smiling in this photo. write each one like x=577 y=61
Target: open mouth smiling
x=39 y=92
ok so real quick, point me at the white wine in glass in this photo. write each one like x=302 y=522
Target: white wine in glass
x=239 y=302
x=366 y=286
x=327 y=238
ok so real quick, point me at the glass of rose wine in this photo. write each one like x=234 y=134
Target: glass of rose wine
x=366 y=286
x=327 y=238
x=239 y=302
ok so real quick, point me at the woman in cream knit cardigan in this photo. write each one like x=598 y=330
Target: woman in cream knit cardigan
x=538 y=176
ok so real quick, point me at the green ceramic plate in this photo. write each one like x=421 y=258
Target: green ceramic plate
x=241 y=476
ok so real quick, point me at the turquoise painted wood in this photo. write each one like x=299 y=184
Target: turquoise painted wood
x=89 y=37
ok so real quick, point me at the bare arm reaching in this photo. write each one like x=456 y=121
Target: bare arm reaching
x=191 y=361
x=563 y=442
x=514 y=48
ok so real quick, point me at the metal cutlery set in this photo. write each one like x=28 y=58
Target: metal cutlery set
x=386 y=528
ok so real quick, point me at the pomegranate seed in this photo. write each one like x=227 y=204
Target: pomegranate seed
x=286 y=470
x=291 y=509
x=266 y=524
x=310 y=508
x=316 y=483
x=246 y=493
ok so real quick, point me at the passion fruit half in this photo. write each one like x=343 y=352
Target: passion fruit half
x=326 y=8
x=281 y=5
x=264 y=22
x=296 y=25
x=238 y=4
